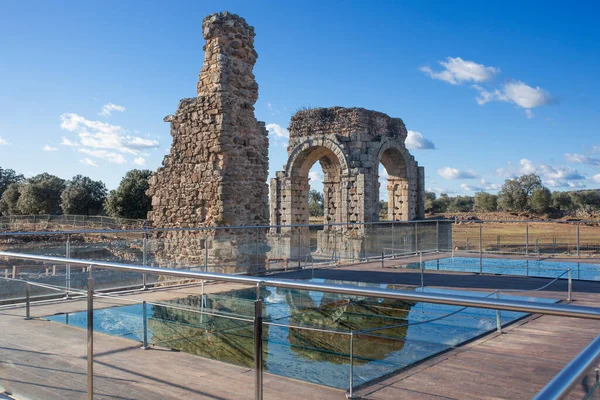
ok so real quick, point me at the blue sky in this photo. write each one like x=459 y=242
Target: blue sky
x=499 y=88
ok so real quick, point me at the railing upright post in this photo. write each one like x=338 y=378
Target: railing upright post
x=90 y=338
x=381 y=258
x=526 y=238
x=481 y=238
x=422 y=271
x=27 y=301
x=437 y=236
x=416 y=237
x=206 y=253
x=68 y=267
x=258 y=381
x=498 y=318
x=145 y=326
x=350 y=394
x=578 y=251
x=569 y=286
x=144 y=259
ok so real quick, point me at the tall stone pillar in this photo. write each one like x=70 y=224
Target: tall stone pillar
x=216 y=172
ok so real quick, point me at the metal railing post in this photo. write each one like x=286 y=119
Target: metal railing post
x=569 y=286
x=498 y=318
x=90 y=338
x=206 y=253
x=145 y=326
x=350 y=394
x=144 y=260
x=27 y=301
x=416 y=237
x=68 y=267
x=437 y=236
x=258 y=377
x=578 y=248
x=422 y=271
x=381 y=258
x=526 y=238
x=480 y=238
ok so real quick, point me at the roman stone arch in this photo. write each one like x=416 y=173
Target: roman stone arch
x=349 y=143
x=405 y=184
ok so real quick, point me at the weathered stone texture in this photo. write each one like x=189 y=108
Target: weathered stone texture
x=349 y=143
x=216 y=171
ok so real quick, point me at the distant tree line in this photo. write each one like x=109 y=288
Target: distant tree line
x=525 y=193
x=49 y=194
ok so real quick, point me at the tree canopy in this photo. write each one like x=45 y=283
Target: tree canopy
x=83 y=196
x=130 y=200
x=41 y=195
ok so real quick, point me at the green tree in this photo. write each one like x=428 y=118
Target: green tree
x=541 y=199
x=486 y=202
x=441 y=204
x=529 y=183
x=130 y=200
x=562 y=201
x=429 y=202
x=315 y=203
x=586 y=201
x=83 y=196
x=7 y=177
x=41 y=195
x=10 y=197
x=512 y=196
x=461 y=204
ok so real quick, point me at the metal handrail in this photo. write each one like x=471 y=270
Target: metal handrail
x=436 y=298
x=560 y=386
x=213 y=228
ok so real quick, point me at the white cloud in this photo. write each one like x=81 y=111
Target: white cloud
x=139 y=161
x=506 y=173
x=66 y=142
x=456 y=71
x=554 y=176
x=471 y=188
x=3 y=142
x=110 y=156
x=49 y=148
x=527 y=167
x=453 y=173
x=278 y=131
x=416 y=141
x=596 y=178
x=107 y=109
x=315 y=176
x=89 y=162
x=439 y=191
x=582 y=159
x=518 y=93
x=97 y=135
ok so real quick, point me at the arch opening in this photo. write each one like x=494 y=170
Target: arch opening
x=392 y=172
x=300 y=173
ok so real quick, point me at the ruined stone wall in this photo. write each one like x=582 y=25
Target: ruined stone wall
x=349 y=143
x=216 y=171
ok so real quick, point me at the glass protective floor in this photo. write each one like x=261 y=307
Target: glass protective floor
x=505 y=266
x=306 y=334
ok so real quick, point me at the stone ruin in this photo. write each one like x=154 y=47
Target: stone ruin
x=349 y=144
x=216 y=172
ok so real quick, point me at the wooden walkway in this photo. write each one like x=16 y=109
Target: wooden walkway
x=46 y=360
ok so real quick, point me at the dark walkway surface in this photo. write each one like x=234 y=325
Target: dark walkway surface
x=375 y=274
